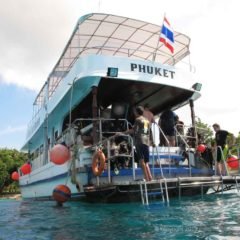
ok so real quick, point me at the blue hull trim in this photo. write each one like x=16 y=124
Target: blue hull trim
x=172 y=171
x=45 y=180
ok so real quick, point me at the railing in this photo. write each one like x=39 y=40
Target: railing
x=38 y=161
x=184 y=144
x=181 y=136
x=107 y=143
x=106 y=138
x=223 y=161
x=158 y=157
x=80 y=128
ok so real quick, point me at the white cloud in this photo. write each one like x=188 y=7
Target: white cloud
x=12 y=130
x=32 y=38
x=33 y=35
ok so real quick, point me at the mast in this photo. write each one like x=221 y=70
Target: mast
x=45 y=123
x=193 y=121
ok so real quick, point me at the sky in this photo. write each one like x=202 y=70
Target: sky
x=34 y=34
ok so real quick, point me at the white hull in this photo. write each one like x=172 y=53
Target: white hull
x=41 y=182
x=91 y=95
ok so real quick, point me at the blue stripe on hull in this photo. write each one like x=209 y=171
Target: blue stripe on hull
x=45 y=180
x=128 y=172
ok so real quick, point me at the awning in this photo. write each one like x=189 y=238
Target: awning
x=114 y=36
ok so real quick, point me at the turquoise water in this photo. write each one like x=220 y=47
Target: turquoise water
x=212 y=217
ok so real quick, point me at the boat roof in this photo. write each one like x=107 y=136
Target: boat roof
x=112 y=35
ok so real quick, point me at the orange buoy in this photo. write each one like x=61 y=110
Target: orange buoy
x=232 y=162
x=59 y=154
x=26 y=168
x=61 y=193
x=15 y=176
x=98 y=163
x=201 y=148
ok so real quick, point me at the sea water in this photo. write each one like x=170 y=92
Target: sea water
x=210 y=217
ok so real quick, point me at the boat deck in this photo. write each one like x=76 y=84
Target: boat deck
x=162 y=188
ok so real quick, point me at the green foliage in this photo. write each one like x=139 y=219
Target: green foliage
x=3 y=175
x=10 y=161
x=236 y=142
x=236 y=146
x=205 y=132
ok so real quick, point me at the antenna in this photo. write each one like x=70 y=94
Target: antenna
x=99 y=5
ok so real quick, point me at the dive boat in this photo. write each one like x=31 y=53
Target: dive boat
x=110 y=65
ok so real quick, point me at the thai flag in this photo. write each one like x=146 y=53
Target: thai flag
x=166 y=35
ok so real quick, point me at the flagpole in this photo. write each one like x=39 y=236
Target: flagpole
x=154 y=54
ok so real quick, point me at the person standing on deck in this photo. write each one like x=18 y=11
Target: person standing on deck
x=150 y=117
x=142 y=140
x=220 y=146
x=148 y=114
x=180 y=131
x=167 y=124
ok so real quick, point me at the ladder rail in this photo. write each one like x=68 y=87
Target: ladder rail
x=146 y=192
x=166 y=190
x=141 y=190
x=161 y=187
x=237 y=185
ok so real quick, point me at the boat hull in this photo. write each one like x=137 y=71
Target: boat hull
x=121 y=187
x=132 y=193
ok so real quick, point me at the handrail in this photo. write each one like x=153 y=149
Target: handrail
x=160 y=129
x=168 y=144
x=160 y=165
x=181 y=136
x=128 y=50
x=188 y=147
x=106 y=142
x=223 y=159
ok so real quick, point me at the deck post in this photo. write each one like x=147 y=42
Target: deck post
x=194 y=130
x=146 y=192
x=179 y=189
x=94 y=113
x=222 y=183
x=133 y=161
x=193 y=120
x=141 y=191
x=108 y=165
x=153 y=163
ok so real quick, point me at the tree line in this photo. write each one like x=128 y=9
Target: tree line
x=10 y=161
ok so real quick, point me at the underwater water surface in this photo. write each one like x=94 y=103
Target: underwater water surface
x=210 y=217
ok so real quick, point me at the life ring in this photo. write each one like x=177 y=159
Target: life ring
x=98 y=163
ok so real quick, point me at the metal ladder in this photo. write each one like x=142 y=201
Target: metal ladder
x=160 y=191
x=237 y=185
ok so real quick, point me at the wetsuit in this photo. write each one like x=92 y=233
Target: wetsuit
x=167 y=122
x=142 y=138
x=221 y=138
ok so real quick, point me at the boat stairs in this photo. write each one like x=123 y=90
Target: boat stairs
x=216 y=183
